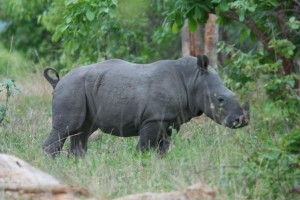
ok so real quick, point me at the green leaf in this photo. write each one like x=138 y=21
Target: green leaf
x=115 y=2
x=178 y=19
x=244 y=35
x=294 y=24
x=64 y=28
x=192 y=24
x=69 y=19
x=252 y=8
x=252 y=37
x=292 y=19
x=71 y=2
x=241 y=16
x=291 y=83
x=90 y=15
x=216 y=1
x=224 y=6
x=198 y=13
x=285 y=47
x=175 y=27
x=8 y=82
x=190 y=13
x=273 y=3
x=204 y=8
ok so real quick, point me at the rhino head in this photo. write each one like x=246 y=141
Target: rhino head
x=217 y=101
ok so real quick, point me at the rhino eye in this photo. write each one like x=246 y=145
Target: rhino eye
x=220 y=99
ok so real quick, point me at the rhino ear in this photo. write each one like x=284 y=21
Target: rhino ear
x=202 y=62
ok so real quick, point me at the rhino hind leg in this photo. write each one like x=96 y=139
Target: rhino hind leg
x=54 y=143
x=80 y=138
x=153 y=135
x=79 y=144
x=69 y=113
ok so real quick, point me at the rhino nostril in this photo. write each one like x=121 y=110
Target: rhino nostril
x=237 y=119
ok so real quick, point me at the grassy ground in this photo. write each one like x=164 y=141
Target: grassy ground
x=203 y=152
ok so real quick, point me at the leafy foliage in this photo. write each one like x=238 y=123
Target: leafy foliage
x=68 y=33
x=23 y=32
x=266 y=74
x=9 y=88
x=195 y=12
x=95 y=30
x=273 y=61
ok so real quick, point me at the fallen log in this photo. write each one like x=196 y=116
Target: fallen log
x=20 y=180
x=198 y=191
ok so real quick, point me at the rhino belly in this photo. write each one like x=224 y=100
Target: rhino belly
x=116 y=117
x=118 y=124
x=121 y=132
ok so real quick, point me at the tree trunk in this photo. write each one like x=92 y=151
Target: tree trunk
x=185 y=40
x=191 y=42
x=211 y=39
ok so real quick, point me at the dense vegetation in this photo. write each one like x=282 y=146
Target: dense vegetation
x=268 y=70
x=262 y=45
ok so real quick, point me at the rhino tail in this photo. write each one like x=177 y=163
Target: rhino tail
x=53 y=81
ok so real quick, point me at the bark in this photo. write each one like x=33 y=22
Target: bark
x=297 y=71
x=191 y=42
x=211 y=39
x=281 y=20
x=185 y=40
x=196 y=42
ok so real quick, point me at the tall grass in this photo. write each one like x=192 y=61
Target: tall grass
x=201 y=151
x=13 y=64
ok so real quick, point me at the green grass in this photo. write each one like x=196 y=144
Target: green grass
x=203 y=152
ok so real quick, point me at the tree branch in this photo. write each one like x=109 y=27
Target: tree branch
x=281 y=20
x=250 y=24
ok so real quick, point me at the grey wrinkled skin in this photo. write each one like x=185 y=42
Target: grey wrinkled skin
x=146 y=100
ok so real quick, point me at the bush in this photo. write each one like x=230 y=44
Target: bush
x=9 y=88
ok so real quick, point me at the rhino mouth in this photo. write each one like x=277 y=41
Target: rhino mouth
x=238 y=125
x=236 y=122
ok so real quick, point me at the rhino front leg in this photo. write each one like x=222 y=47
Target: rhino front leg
x=54 y=143
x=152 y=135
x=165 y=142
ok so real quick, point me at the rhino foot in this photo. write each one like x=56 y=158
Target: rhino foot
x=54 y=143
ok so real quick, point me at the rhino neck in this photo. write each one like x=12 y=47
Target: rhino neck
x=190 y=76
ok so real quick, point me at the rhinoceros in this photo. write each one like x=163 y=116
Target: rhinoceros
x=147 y=100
